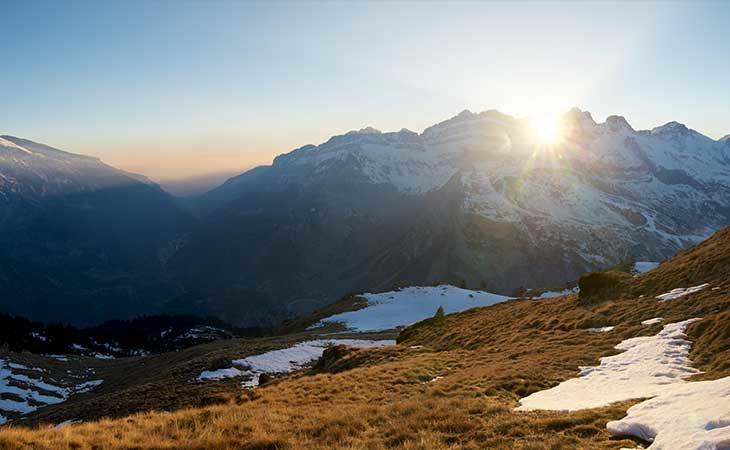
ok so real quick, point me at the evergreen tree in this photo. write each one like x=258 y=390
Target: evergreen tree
x=439 y=314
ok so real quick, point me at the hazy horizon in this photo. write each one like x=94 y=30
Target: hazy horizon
x=202 y=88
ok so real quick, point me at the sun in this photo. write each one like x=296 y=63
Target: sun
x=546 y=129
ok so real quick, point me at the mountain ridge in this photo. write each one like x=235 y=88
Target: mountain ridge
x=474 y=200
x=481 y=184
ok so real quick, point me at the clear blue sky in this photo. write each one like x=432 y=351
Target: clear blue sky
x=174 y=88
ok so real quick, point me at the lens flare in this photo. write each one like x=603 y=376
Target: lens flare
x=546 y=130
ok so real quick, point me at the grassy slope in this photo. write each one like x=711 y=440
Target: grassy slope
x=488 y=358
x=159 y=382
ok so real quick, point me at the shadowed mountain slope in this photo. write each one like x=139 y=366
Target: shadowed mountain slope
x=81 y=241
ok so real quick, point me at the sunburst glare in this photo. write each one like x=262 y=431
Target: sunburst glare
x=546 y=129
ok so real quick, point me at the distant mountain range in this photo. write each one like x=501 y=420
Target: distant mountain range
x=471 y=201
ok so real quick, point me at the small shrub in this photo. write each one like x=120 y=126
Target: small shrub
x=601 y=284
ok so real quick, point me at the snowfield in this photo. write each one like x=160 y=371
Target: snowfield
x=283 y=361
x=648 y=366
x=681 y=292
x=691 y=416
x=680 y=416
x=390 y=310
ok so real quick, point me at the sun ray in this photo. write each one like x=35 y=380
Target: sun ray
x=547 y=130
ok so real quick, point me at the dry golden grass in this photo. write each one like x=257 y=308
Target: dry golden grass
x=387 y=406
x=488 y=358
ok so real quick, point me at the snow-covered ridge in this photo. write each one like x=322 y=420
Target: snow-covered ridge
x=390 y=310
x=30 y=169
x=283 y=361
x=12 y=145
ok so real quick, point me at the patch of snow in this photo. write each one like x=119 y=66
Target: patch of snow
x=25 y=394
x=220 y=374
x=33 y=392
x=551 y=294
x=66 y=423
x=653 y=321
x=389 y=310
x=112 y=347
x=284 y=360
x=688 y=416
x=205 y=332
x=599 y=330
x=681 y=292
x=13 y=365
x=643 y=267
x=87 y=386
x=648 y=366
x=80 y=348
x=39 y=336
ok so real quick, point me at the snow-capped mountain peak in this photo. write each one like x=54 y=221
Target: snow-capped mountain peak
x=674 y=129
x=616 y=123
x=366 y=130
x=575 y=114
